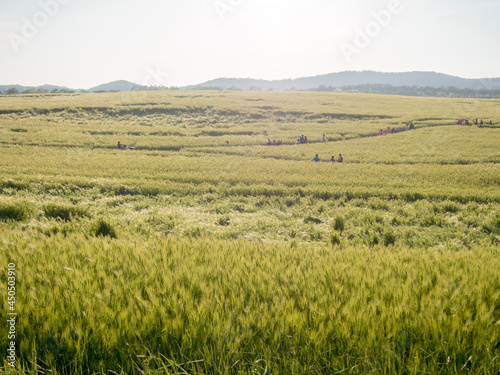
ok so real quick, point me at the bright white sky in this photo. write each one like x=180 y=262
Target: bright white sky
x=83 y=43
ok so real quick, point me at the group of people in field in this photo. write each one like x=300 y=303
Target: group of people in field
x=394 y=130
x=475 y=122
x=121 y=146
x=274 y=142
x=340 y=159
x=301 y=140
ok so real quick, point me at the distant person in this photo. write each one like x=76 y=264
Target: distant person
x=323 y=139
x=412 y=126
x=280 y=142
x=297 y=141
x=274 y=142
x=227 y=143
x=481 y=123
x=120 y=146
x=332 y=159
x=491 y=123
x=388 y=131
x=305 y=139
x=380 y=132
x=340 y=159
x=316 y=158
x=269 y=143
x=302 y=138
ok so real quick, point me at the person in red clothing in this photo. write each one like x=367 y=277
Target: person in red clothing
x=119 y=145
x=340 y=159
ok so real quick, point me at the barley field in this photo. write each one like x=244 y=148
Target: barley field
x=183 y=255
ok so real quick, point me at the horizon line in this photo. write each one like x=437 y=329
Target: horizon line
x=257 y=79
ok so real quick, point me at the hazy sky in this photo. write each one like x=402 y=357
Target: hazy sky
x=83 y=43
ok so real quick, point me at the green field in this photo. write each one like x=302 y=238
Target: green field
x=187 y=256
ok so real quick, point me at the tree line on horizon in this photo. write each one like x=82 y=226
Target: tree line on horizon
x=385 y=89
x=39 y=90
x=448 y=91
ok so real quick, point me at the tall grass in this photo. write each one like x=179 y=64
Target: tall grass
x=235 y=306
x=15 y=210
x=185 y=256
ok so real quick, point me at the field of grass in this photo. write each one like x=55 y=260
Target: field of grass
x=187 y=256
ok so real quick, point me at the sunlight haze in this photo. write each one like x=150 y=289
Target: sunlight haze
x=81 y=44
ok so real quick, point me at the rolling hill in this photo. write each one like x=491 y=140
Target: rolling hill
x=420 y=79
x=360 y=81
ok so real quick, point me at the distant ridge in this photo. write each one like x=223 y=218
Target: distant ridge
x=409 y=83
x=419 y=79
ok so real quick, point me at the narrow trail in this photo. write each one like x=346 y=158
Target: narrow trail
x=235 y=149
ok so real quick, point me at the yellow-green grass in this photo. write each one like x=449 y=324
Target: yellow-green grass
x=186 y=256
x=236 y=306
x=169 y=120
